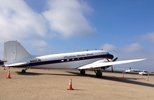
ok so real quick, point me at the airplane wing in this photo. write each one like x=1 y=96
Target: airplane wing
x=17 y=64
x=105 y=64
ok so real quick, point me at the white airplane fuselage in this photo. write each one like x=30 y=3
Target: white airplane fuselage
x=67 y=60
x=15 y=55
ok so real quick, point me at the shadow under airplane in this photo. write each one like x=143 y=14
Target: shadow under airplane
x=118 y=79
x=111 y=78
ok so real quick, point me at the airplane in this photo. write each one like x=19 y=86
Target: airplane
x=15 y=55
x=131 y=70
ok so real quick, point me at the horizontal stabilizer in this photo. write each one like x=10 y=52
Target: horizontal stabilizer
x=17 y=64
x=104 y=64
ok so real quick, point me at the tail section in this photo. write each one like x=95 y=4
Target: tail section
x=14 y=52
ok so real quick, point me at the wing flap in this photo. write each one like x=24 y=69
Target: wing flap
x=104 y=64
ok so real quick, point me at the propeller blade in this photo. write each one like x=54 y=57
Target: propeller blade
x=115 y=59
x=108 y=60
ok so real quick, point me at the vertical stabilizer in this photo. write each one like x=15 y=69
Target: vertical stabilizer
x=14 y=52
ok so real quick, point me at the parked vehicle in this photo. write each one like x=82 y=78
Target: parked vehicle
x=144 y=72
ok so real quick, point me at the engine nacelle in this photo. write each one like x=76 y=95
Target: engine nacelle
x=105 y=67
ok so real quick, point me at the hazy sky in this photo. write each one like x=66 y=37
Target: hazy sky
x=125 y=28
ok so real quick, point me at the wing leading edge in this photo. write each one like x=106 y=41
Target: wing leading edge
x=105 y=64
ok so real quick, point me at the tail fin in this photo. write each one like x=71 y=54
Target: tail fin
x=14 y=52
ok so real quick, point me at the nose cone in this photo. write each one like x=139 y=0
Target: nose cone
x=110 y=56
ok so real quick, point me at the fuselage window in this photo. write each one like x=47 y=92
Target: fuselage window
x=75 y=58
x=81 y=58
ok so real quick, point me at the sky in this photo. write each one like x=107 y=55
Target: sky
x=124 y=28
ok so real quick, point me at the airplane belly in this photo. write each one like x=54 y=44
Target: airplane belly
x=64 y=65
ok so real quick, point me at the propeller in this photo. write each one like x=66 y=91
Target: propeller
x=115 y=59
x=112 y=61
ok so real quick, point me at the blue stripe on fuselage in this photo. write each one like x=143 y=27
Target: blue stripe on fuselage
x=109 y=56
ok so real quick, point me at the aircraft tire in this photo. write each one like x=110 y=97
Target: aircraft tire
x=23 y=71
x=99 y=74
x=82 y=71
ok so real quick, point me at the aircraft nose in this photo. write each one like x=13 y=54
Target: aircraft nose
x=110 y=56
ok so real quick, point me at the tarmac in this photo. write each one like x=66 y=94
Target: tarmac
x=40 y=84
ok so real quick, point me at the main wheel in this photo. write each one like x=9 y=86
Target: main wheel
x=23 y=71
x=82 y=71
x=98 y=73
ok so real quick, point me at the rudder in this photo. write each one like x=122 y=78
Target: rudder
x=14 y=52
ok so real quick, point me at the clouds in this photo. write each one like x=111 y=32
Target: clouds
x=39 y=43
x=108 y=47
x=134 y=47
x=63 y=17
x=36 y=46
x=1 y=52
x=148 y=37
x=67 y=17
x=18 y=20
x=132 y=51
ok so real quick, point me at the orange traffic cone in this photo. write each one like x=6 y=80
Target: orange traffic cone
x=4 y=68
x=70 y=85
x=8 y=76
x=123 y=75
x=148 y=78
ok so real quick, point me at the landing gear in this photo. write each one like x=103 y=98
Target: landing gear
x=24 y=70
x=98 y=73
x=82 y=71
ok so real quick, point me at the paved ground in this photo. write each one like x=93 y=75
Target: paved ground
x=53 y=84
